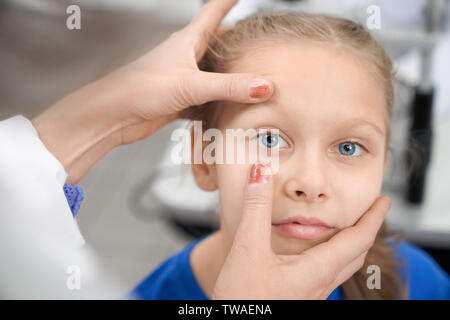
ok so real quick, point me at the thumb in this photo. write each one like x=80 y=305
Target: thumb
x=340 y=253
x=236 y=87
x=255 y=228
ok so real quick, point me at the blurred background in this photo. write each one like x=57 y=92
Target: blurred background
x=138 y=210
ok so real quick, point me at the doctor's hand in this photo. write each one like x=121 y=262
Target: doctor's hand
x=253 y=271
x=133 y=102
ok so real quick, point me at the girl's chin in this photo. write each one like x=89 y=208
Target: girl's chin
x=291 y=246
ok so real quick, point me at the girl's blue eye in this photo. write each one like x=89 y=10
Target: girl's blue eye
x=350 y=149
x=270 y=140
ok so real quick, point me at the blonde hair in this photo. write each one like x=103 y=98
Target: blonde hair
x=267 y=28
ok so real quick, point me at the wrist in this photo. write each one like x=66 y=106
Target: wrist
x=81 y=128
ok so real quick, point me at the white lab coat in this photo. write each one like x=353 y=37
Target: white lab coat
x=42 y=251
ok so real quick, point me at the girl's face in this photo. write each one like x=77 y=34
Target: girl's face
x=330 y=114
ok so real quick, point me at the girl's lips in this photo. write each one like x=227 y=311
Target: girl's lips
x=303 y=228
x=302 y=231
x=304 y=221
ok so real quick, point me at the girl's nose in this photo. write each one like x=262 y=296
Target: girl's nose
x=309 y=188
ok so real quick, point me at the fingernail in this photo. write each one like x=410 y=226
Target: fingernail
x=259 y=173
x=258 y=88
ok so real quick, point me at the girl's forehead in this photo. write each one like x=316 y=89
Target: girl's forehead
x=316 y=83
x=310 y=65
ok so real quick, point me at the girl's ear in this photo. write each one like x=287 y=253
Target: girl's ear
x=204 y=174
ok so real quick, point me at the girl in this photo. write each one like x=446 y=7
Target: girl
x=329 y=122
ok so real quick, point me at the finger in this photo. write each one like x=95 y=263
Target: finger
x=211 y=15
x=347 y=245
x=241 y=88
x=255 y=227
x=350 y=270
x=201 y=42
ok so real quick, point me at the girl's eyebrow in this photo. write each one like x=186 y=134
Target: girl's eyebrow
x=359 y=122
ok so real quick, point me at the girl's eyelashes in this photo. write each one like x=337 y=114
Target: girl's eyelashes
x=351 y=149
x=271 y=140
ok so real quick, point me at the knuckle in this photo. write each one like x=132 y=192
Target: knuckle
x=231 y=86
x=256 y=200
x=183 y=94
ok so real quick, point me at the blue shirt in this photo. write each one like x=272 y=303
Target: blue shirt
x=174 y=279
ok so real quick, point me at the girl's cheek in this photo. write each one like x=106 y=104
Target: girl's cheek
x=359 y=197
